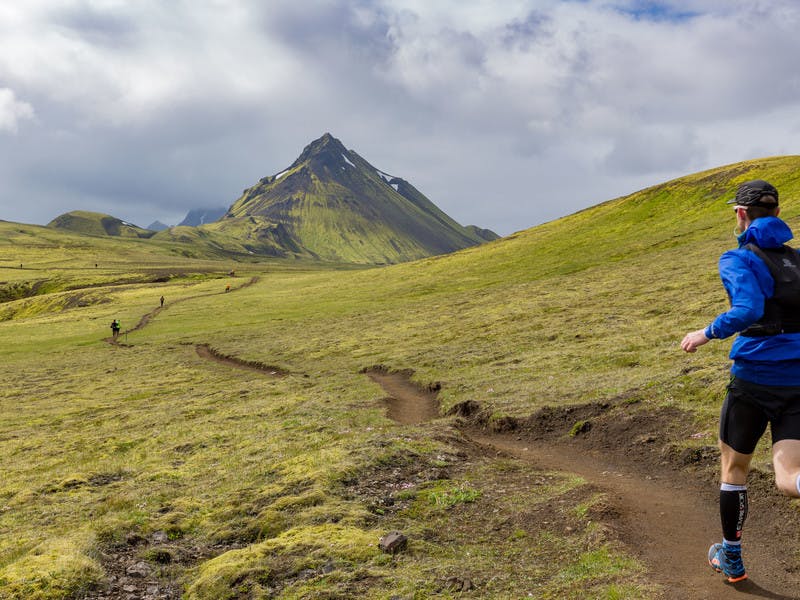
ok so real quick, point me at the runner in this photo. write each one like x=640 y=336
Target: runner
x=762 y=279
x=115 y=328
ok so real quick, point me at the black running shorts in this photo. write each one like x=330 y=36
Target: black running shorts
x=747 y=409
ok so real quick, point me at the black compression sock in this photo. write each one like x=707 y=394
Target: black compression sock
x=732 y=510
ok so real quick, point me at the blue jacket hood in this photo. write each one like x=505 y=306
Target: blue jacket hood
x=766 y=232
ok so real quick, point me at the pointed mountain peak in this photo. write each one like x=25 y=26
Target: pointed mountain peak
x=326 y=154
x=334 y=205
x=327 y=143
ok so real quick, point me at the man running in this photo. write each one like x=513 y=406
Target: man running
x=762 y=279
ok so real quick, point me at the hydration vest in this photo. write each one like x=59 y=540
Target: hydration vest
x=782 y=310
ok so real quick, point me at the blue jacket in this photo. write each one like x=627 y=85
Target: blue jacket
x=771 y=360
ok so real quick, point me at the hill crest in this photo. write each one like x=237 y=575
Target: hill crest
x=94 y=223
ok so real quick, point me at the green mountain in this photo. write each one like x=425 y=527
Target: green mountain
x=329 y=205
x=333 y=205
x=92 y=223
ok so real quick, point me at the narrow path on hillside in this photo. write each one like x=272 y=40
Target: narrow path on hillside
x=146 y=318
x=667 y=519
x=407 y=403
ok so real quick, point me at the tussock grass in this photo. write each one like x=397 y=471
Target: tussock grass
x=278 y=485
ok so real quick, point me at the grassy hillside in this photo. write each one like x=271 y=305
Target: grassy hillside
x=236 y=484
x=36 y=261
x=92 y=223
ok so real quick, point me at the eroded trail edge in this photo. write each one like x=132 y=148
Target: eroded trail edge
x=663 y=497
x=209 y=353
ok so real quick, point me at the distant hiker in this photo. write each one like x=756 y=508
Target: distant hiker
x=228 y=288
x=762 y=279
x=162 y=301
x=115 y=328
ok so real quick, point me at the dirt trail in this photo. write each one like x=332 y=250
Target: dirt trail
x=407 y=403
x=207 y=352
x=667 y=521
x=146 y=318
x=666 y=518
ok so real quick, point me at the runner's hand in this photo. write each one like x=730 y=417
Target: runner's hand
x=693 y=340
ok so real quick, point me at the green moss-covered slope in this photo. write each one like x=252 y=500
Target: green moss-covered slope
x=333 y=204
x=92 y=223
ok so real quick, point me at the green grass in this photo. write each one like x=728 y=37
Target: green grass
x=274 y=478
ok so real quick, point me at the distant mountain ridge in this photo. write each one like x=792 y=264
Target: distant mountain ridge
x=157 y=226
x=334 y=205
x=330 y=205
x=202 y=216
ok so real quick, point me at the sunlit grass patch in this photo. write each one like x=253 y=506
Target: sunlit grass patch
x=262 y=569
x=594 y=574
x=447 y=495
x=58 y=568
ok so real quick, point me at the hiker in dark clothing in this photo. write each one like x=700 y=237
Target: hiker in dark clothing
x=162 y=300
x=115 y=328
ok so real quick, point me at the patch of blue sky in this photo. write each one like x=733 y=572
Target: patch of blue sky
x=655 y=11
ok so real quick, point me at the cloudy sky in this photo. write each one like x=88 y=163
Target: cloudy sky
x=505 y=113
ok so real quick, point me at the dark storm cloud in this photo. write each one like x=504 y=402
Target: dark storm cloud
x=178 y=159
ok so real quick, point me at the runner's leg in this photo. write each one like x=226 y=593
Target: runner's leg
x=786 y=460
x=735 y=465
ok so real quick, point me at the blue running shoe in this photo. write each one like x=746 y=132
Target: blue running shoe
x=728 y=561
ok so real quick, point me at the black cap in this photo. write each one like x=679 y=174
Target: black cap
x=751 y=192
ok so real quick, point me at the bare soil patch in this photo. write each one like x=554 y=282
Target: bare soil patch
x=407 y=402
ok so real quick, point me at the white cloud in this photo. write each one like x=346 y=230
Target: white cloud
x=179 y=104
x=12 y=111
